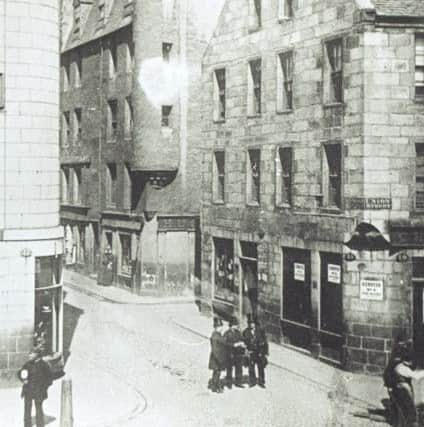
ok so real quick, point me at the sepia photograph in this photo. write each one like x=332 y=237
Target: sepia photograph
x=211 y=213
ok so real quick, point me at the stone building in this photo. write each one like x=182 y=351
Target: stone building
x=313 y=133
x=129 y=142
x=31 y=239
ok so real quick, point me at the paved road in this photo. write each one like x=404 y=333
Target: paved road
x=167 y=366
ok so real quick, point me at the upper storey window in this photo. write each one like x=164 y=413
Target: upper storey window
x=65 y=77
x=112 y=60
x=255 y=14
x=2 y=90
x=254 y=77
x=285 y=81
x=285 y=9
x=419 y=66
x=166 y=51
x=333 y=77
x=219 y=94
x=77 y=71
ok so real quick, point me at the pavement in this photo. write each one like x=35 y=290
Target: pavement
x=364 y=391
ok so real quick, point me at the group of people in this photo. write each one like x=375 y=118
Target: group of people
x=232 y=349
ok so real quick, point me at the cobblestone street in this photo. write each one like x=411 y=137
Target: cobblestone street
x=167 y=366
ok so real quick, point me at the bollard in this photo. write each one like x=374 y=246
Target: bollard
x=66 y=417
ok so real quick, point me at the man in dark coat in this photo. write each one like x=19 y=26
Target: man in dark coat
x=257 y=347
x=235 y=350
x=36 y=379
x=218 y=355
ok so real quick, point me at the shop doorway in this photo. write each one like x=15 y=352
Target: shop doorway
x=249 y=279
x=296 y=319
x=418 y=309
x=331 y=307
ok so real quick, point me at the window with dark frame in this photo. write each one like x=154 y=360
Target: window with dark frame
x=77 y=125
x=166 y=113
x=125 y=264
x=419 y=66
x=76 y=185
x=219 y=178
x=219 y=94
x=286 y=61
x=284 y=186
x=335 y=61
x=254 y=174
x=254 y=87
x=113 y=118
x=419 y=176
x=224 y=267
x=334 y=163
x=166 y=51
x=111 y=184
x=66 y=128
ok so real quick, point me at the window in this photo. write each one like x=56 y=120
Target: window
x=64 y=185
x=113 y=60
x=77 y=72
x=419 y=176
x=219 y=94
x=77 y=136
x=224 y=267
x=66 y=129
x=284 y=176
x=166 y=51
x=129 y=57
x=253 y=176
x=219 y=177
x=112 y=119
x=254 y=88
x=332 y=175
x=129 y=124
x=255 y=14
x=285 y=81
x=77 y=16
x=65 y=77
x=111 y=184
x=285 y=9
x=125 y=264
x=101 y=11
x=419 y=66
x=2 y=92
x=166 y=113
x=334 y=74
x=76 y=185
x=127 y=190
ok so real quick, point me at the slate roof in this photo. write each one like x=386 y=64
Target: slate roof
x=410 y=8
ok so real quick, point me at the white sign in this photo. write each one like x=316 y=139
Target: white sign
x=334 y=273
x=299 y=272
x=371 y=290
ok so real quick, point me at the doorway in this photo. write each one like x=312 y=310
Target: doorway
x=418 y=308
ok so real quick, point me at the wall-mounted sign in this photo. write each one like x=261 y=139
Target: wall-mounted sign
x=299 y=272
x=407 y=236
x=334 y=273
x=371 y=289
x=371 y=203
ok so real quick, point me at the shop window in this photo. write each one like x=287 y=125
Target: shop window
x=253 y=176
x=112 y=118
x=125 y=265
x=224 y=266
x=66 y=128
x=285 y=9
x=112 y=60
x=129 y=117
x=285 y=81
x=64 y=185
x=219 y=94
x=219 y=176
x=255 y=14
x=332 y=175
x=166 y=52
x=77 y=134
x=254 y=76
x=166 y=115
x=419 y=66
x=284 y=176
x=111 y=184
x=419 y=176
x=333 y=76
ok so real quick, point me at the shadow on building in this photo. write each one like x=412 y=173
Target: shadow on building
x=71 y=317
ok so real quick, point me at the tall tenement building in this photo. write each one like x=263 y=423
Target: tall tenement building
x=130 y=140
x=31 y=239
x=313 y=129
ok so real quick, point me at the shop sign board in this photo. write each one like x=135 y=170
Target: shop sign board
x=371 y=289
x=299 y=272
x=334 y=273
x=371 y=203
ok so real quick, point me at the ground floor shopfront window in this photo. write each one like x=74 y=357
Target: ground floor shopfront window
x=48 y=304
x=224 y=269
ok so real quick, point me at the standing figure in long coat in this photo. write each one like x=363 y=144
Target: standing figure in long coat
x=235 y=349
x=218 y=355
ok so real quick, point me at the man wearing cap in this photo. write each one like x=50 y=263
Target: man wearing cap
x=257 y=346
x=235 y=350
x=218 y=356
x=36 y=378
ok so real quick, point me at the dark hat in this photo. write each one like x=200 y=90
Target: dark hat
x=217 y=322
x=234 y=321
x=250 y=319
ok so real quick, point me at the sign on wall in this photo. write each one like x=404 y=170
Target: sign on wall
x=299 y=272
x=371 y=203
x=371 y=289
x=334 y=273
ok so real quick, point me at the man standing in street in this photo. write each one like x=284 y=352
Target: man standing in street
x=36 y=379
x=257 y=346
x=235 y=346
x=218 y=355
